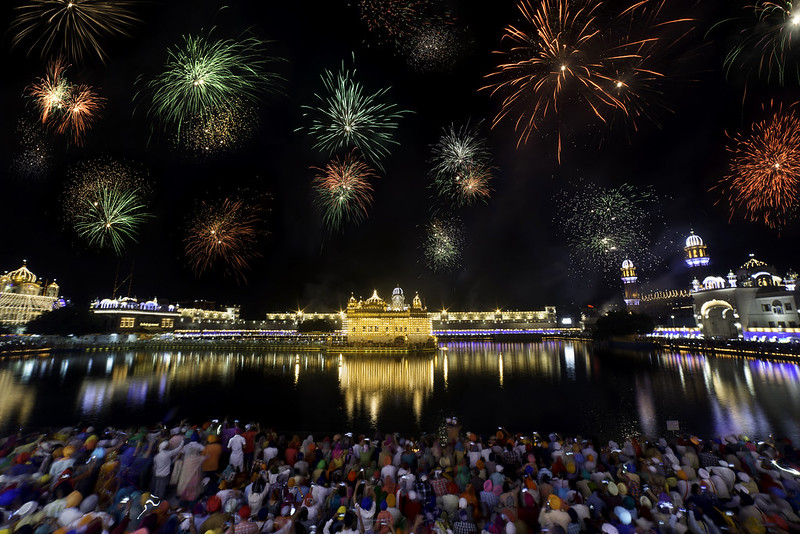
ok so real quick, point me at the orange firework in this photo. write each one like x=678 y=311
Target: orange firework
x=223 y=234
x=764 y=179
x=473 y=184
x=65 y=107
x=560 y=59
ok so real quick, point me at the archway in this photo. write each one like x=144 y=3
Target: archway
x=718 y=320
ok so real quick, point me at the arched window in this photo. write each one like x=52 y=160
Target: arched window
x=777 y=307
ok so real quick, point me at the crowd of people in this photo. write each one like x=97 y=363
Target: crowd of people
x=228 y=478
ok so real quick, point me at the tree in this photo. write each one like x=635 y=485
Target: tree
x=623 y=323
x=68 y=320
x=316 y=325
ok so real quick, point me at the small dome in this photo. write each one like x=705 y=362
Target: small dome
x=693 y=240
x=627 y=264
x=22 y=276
x=397 y=291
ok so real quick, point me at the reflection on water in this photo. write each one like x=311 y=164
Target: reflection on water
x=552 y=385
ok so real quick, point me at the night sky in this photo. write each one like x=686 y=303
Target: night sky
x=514 y=254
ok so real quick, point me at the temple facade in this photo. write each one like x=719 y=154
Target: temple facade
x=378 y=322
x=23 y=297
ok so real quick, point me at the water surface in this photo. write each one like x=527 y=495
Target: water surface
x=550 y=386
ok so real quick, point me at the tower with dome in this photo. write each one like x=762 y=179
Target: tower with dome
x=23 y=297
x=375 y=322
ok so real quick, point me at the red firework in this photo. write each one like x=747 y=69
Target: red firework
x=223 y=234
x=343 y=190
x=764 y=179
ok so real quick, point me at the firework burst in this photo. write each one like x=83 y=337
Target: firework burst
x=112 y=218
x=74 y=28
x=343 y=189
x=443 y=241
x=764 y=179
x=392 y=21
x=435 y=47
x=348 y=117
x=461 y=170
x=472 y=184
x=105 y=203
x=66 y=108
x=33 y=156
x=224 y=235
x=765 y=40
x=219 y=131
x=604 y=226
x=567 y=57
x=204 y=75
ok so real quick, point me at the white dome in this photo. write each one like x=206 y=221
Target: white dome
x=397 y=291
x=627 y=264
x=714 y=282
x=694 y=240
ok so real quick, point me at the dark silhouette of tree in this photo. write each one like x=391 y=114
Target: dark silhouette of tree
x=68 y=320
x=623 y=323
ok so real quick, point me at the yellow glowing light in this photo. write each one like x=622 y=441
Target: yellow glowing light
x=563 y=68
x=794 y=19
x=619 y=84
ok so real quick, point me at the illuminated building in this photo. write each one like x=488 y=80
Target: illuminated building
x=129 y=315
x=630 y=282
x=23 y=298
x=376 y=322
x=202 y=311
x=753 y=303
x=696 y=253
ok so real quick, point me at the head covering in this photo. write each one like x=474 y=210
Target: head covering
x=244 y=512
x=214 y=504
x=340 y=512
x=554 y=501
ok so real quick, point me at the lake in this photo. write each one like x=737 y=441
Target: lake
x=562 y=386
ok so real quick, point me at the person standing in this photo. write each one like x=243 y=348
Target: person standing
x=236 y=445
x=162 y=467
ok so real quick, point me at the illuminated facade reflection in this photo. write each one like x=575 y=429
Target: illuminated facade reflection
x=477 y=381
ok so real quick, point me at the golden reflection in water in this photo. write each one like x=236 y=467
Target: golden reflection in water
x=445 y=370
x=16 y=402
x=500 y=366
x=368 y=382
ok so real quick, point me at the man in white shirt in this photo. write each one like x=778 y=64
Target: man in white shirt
x=162 y=466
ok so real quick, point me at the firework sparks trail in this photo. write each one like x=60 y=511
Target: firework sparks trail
x=348 y=117
x=111 y=218
x=561 y=58
x=74 y=28
x=604 y=226
x=765 y=40
x=205 y=74
x=225 y=235
x=105 y=202
x=763 y=183
x=443 y=241
x=63 y=106
x=219 y=131
x=343 y=189
x=461 y=170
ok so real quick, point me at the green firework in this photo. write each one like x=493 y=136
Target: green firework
x=348 y=117
x=205 y=73
x=112 y=218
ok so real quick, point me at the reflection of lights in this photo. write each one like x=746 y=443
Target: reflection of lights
x=569 y=358
x=445 y=371
x=27 y=371
x=500 y=365
x=109 y=364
